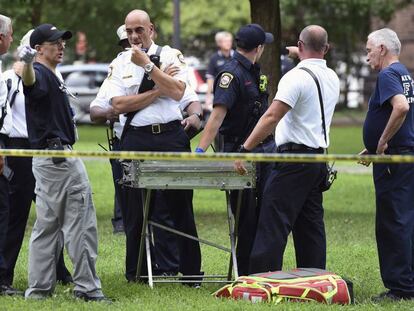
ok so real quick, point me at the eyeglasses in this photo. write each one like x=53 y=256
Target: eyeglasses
x=59 y=43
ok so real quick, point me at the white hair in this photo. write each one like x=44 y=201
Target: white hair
x=221 y=35
x=5 y=23
x=388 y=38
x=25 y=40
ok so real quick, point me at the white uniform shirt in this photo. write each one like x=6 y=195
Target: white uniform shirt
x=19 y=129
x=126 y=77
x=102 y=101
x=7 y=125
x=303 y=123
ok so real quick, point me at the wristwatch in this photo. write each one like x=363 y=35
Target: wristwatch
x=149 y=67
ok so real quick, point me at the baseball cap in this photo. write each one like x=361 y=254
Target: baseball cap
x=47 y=32
x=121 y=32
x=252 y=35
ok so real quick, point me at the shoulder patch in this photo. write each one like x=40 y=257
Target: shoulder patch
x=225 y=80
x=110 y=71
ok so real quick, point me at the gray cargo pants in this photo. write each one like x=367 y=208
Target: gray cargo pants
x=65 y=213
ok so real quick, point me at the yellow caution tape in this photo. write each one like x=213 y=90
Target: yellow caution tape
x=189 y=156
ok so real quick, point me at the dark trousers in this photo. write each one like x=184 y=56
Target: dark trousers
x=291 y=202
x=116 y=175
x=394 y=189
x=179 y=203
x=250 y=208
x=4 y=220
x=21 y=194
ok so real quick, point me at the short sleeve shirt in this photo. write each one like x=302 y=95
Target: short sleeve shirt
x=126 y=78
x=19 y=129
x=48 y=112
x=236 y=87
x=303 y=123
x=216 y=64
x=5 y=107
x=392 y=80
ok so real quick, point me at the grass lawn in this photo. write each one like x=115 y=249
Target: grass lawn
x=350 y=236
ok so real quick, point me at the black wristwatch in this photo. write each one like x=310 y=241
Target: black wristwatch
x=199 y=115
x=241 y=149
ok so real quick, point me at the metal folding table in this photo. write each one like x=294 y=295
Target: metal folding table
x=150 y=175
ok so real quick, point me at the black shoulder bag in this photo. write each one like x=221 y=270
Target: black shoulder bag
x=331 y=173
x=146 y=85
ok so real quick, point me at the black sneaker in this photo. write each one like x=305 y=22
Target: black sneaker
x=87 y=298
x=119 y=228
x=390 y=296
x=194 y=282
x=7 y=290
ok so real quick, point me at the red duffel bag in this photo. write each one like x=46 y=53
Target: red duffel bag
x=302 y=284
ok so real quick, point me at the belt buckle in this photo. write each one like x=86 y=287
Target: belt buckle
x=155 y=128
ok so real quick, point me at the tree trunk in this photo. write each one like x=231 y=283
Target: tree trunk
x=267 y=14
x=36 y=12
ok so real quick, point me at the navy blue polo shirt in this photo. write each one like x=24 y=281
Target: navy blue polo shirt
x=216 y=64
x=391 y=81
x=237 y=88
x=48 y=113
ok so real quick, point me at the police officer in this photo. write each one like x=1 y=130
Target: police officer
x=292 y=198
x=166 y=257
x=6 y=37
x=389 y=129
x=239 y=101
x=156 y=126
x=224 y=41
x=64 y=207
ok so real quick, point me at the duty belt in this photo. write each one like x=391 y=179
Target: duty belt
x=157 y=128
x=298 y=148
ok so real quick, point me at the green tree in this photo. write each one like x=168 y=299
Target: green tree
x=347 y=22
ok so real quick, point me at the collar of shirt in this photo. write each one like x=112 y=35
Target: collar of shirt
x=312 y=61
x=244 y=61
x=221 y=54
x=152 y=49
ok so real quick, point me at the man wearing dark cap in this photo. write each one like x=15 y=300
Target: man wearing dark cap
x=292 y=199
x=239 y=102
x=64 y=207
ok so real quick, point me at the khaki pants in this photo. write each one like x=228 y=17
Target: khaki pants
x=65 y=213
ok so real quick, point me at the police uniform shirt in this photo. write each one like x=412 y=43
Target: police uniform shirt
x=102 y=101
x=19 y=129
x=48 y=112
x=303 y=123
x=392 y=80
x=126 y=77
x=189 y=96
x=216 y=64
x=5 y=107
x=236 y=87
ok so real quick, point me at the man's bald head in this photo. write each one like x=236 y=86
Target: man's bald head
x=315 y=38
x=140 y=15
x=139 y=28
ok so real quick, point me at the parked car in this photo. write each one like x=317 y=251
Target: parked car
x=83 y=81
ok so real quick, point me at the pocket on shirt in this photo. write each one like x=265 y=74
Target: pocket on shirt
x=131 y=85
